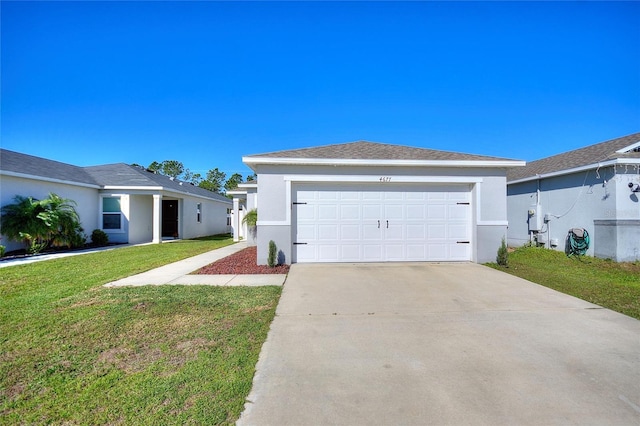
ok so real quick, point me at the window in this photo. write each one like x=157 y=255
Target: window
x=111 y=213
x=199 y=212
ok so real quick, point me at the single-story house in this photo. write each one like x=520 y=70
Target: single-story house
x=596 y=188
x=373 y=202
x=129 y=203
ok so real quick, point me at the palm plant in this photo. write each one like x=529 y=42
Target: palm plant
x=251 y=218
x=41 y=223
x=20 y=222
x=62 y=220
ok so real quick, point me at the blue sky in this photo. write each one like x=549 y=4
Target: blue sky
x=208 y=82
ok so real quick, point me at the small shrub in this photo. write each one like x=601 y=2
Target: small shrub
x=503 y=255
x=99 y=238
x=2 y=250
x=273 y=254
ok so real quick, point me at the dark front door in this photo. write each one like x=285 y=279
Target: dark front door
x=170 y=218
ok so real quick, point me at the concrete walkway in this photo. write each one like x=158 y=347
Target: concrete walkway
x=177 y=273
x=441 y=344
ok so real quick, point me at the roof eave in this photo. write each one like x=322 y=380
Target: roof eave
x=253 y=161
x=48 y=179
x=577 y=169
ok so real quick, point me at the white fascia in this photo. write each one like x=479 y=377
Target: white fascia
x=608 y=163
x=247 y=185
x=628 y=148
x=394 y=163
x=236 y=192
x=132 y=188
x=46 y=179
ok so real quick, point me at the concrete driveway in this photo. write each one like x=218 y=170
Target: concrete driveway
x=419 y=343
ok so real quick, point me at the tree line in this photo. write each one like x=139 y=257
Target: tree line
x=214 y=180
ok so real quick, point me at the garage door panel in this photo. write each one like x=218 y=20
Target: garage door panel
x=349 y=195
x=306 y=232
x=416 y=252
x=402 y=224
x=371 y=211
x=458 y=196
x=459 y=252
x=394 y=252
x=327 y=233
x=393 y=211
x=327 y=212
x=305 y=196
x=417 y=231
x=437 y=232
x=350 y=212
x=328 y=252
x=436 y=211
x=328 y=196
x=350 y=252
x=306 y=253
x=394 y=232
x=371 y=196
x=306 y=212
x=416 y=212
x=436 y=251
x=372 y=252
x=371 y=231
x=459 y=232
x=415 y=196
x=350 y=232
x=458 y=212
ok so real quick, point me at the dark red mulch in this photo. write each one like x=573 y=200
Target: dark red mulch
x=242 y=262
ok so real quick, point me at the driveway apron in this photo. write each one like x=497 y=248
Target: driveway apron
x=444 y=344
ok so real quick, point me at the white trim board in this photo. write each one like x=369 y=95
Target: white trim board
x=395 y=163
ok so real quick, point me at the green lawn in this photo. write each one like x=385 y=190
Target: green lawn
x=609 y=284
x=74 y=352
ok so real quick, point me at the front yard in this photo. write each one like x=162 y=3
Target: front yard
x=615 y=286
x=74 y=352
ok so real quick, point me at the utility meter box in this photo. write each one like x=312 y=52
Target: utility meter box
x=535 y=218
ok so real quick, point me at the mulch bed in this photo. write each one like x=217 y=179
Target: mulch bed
x=242 y=262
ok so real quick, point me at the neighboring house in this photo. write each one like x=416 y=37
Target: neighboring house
x=595 y=188
x=372 y=202
x=129 y=203
x=245 y=198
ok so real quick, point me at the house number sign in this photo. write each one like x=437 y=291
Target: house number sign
x=385 y=179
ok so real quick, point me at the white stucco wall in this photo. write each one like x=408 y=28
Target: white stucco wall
x=213 y=216
x=578 y=199
x=140 y=218
x=274 y=218
x=86 y=199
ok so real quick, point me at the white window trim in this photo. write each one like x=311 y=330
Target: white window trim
x=102 y=213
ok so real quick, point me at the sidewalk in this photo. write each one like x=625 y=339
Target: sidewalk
x=177 y=273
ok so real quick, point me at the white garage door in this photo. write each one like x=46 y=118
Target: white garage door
x=372 y=225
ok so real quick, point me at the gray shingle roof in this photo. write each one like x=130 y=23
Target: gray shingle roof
x=363 y=150
x=579 y=157
x=121 y=174
x=17 y=162
x=118 y=174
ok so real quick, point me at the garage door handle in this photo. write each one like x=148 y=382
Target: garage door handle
x=299 y=244
x=463 y=242
x=378 y=224
x=387 y=224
